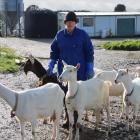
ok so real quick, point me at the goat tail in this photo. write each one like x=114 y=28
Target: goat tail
x=109 y=83
x=98 y=75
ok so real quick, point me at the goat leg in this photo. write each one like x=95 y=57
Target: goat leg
x=22 y=125
x=34 y=124
x=66 y=124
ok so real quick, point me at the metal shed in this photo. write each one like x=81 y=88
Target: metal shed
x=11 y=12
x=106 y=24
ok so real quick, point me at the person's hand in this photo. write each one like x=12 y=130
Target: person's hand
x=89 y=71
x=50 y=67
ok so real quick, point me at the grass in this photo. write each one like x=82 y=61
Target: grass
x=7 y=60
x=122 y=45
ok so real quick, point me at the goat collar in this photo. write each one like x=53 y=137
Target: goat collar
x=43 y=76
x=40 y=82
x=72 y=97
x=128 y=95
x=15 y=107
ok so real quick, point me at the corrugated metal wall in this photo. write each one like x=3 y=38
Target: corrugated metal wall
x=12 y=11
x=2 y=5
x=12 y=5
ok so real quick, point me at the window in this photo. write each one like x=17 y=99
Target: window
x=77 y=20
x=87 y=21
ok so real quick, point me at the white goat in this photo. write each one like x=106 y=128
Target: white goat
x=96 y=71
x=131 y=94
x=36 y=103
x=84 y=95
x=137 y=72
x=114 y=89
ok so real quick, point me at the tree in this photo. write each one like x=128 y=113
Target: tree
x=120 y=8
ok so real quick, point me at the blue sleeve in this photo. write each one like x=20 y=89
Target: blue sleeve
x=54 y=52
x=88 y=49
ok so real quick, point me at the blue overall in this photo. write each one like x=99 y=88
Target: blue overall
x=73 y=48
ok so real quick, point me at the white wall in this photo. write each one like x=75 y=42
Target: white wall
x=88 y=29
x=104 y=23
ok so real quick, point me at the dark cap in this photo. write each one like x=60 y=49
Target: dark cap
x=70 y=16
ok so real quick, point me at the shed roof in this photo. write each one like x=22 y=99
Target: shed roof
x=105 y=13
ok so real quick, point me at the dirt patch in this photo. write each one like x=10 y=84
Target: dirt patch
x=10 y=129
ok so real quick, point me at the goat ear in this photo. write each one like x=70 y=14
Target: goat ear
x=78 y=66
x=114 y=67
x=64 y=63
x=127 y=70
x=31 y=58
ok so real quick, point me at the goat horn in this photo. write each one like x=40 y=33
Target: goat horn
x=64 y=63
x=31 y=56
x=28 y=54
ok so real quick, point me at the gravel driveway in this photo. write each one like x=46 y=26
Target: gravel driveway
x=9 y=127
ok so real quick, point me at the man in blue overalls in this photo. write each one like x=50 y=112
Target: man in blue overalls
x=72 y=45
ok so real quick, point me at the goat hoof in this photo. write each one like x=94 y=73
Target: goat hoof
x=66 y=126
x=96 y=130
x=121 y=116
x=52 y=138
x=86 y=119
x=109 y=133
x=80 y=129
x=13 y=114
x=45 y=121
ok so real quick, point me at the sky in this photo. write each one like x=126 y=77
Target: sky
x=92 y=5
